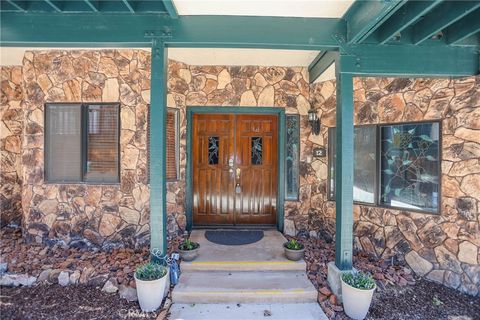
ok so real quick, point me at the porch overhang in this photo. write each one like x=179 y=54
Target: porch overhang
x=394 y=38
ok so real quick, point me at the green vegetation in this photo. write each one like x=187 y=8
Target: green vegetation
x=359 y=280
x=150 y=271
x=187 y=244
x=294 y=245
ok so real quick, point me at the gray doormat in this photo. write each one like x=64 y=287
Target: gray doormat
x=233 y=237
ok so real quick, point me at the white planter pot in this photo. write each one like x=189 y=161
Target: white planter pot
x=356 y=302
x=150 y=293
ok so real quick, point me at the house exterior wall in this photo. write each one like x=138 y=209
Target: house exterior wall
x=104 y=215
x=11 y=126
x=443 y=247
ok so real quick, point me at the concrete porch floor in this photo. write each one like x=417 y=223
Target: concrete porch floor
x=266 y=254
x=241 y=282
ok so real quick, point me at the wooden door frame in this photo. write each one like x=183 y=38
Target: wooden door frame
x=279 y=112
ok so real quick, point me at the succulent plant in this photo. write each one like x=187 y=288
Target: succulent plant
x=150 y=271
x=359 y=280
x=294 y=245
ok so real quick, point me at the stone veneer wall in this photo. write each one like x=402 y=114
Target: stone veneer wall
x=443 y=247
x=230 y=86
x=103 y=214
x=11 y=125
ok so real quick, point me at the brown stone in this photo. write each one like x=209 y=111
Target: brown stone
x=108 y=224
x=409 y=231
x=471 y=185
x=431 y=234
x=447 y=259
x=467 y=252
x=418 y=264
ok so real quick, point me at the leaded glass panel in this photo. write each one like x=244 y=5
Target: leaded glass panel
x=410 y=166
x=257 y=144
x=292 y=155
x=213 y=149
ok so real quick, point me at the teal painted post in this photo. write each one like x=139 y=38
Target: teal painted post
x=344 y=170
x=158 y=114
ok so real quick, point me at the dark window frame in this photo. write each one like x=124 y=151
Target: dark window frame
x=377 y=203
x=84 y=142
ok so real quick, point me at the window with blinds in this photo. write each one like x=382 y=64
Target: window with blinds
x=102 y=143
x=63 y=143
x=172 y=144
x=82 y=143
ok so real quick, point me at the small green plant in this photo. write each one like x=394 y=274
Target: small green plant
x=359 y=280
x=436 y=301
x=294 y=245
x=187 y=244
x=150 y=271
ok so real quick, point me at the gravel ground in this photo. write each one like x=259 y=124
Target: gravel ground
x=422 y=301
x=73 y=302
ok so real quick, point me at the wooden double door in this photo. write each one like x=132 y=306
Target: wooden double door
x=234 y=169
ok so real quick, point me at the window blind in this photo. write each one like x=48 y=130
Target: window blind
x=63 y=143
x=102 y=143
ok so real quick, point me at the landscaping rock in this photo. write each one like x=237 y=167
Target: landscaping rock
x=127 y=293
x=3 y=268
x=44 y=275
x=110 y=286
x=15 y=280
x=74 y=277
x=64 y=278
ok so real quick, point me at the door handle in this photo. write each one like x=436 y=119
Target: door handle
x=239 y=171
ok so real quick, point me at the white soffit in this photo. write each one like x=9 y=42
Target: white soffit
x=329 y=74
x=273 y=8
x=243 y=57
x=13 y=56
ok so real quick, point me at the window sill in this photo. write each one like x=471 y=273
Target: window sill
x=366 y=204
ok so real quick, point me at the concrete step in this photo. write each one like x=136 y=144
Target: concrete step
x=296 y=311
x=244 y=287
x=279 y=265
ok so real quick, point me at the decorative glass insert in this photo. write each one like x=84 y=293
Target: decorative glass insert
x=364 y=170
x=409 y=166
x=257 y=144
x=213 y=148
x=292 y=156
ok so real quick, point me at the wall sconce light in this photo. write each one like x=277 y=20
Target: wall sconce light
x=314 y=121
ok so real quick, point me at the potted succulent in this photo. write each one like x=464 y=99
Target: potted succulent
x=188 y=250
x=294 y=250
x=357 y=293
x=150 y=280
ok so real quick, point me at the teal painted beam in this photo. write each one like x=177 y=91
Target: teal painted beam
x=19 y=5
x=91 y=29
x=93 y=5
x=128 y=5
x=344 y=170
x=56 y=5
x=364 y=17
x=159 y=65
x=321 y=63
x=410 y=60
x=441 y=17
x=171 y=9
x=403 y=18
x=158 y=116
x=464 y=28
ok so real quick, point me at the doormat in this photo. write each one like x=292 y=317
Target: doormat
x=233 y=237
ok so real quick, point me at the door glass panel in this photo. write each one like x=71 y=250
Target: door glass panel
x=292 y=156
x=213 y=147
x=257 y=144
